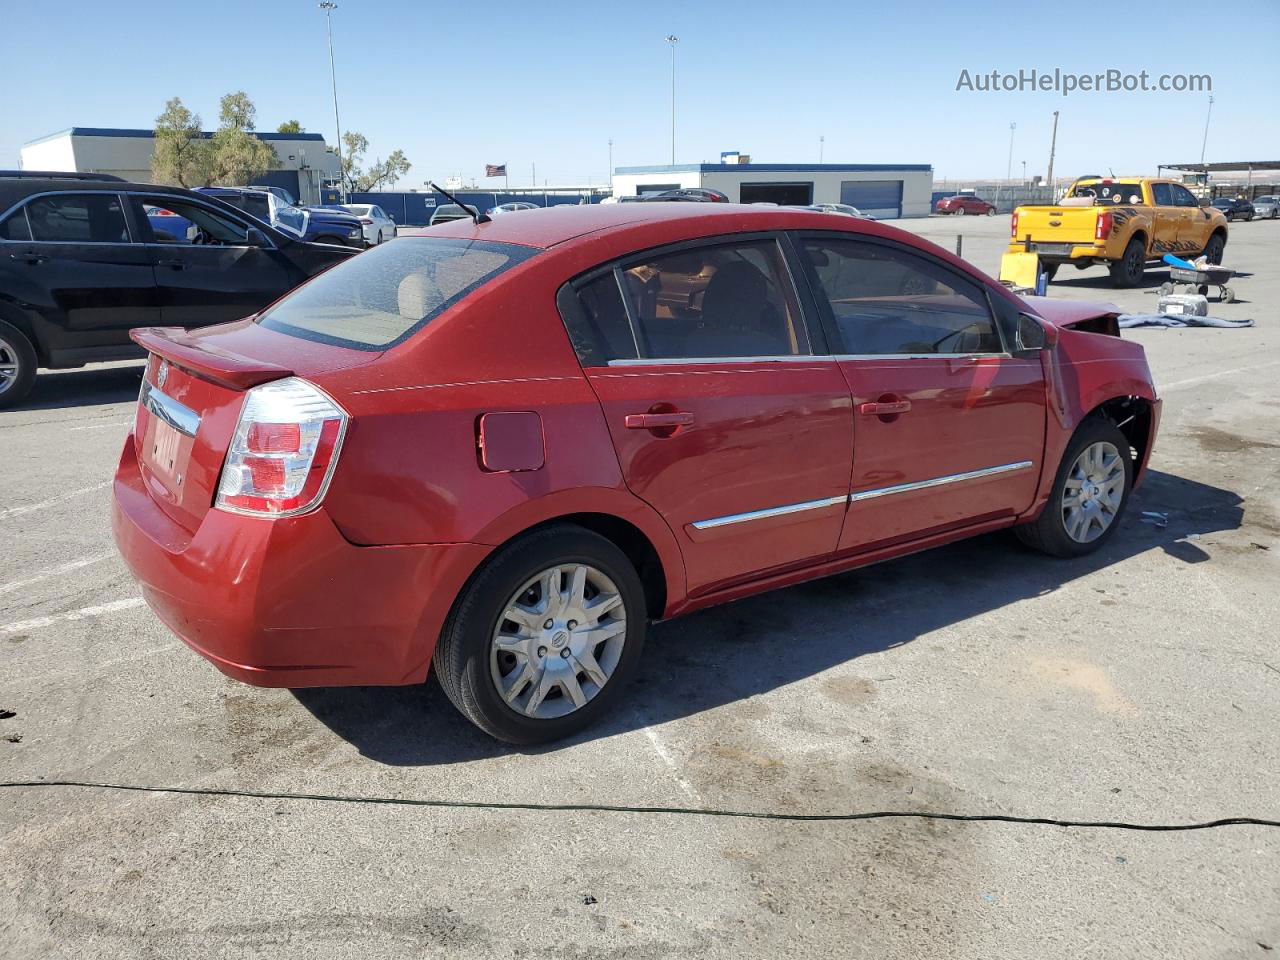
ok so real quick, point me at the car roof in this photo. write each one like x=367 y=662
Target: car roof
x=548 y=226
x=15 y=189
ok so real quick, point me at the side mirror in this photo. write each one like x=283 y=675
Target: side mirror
x=253 y=237
x=1035 y=334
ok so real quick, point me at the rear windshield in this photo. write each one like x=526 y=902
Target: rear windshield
x=1126 y=193
x=383 y=296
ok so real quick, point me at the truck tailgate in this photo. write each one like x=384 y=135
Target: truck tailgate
x=1056 y=225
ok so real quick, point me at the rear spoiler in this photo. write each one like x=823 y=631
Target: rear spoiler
x=188 y=351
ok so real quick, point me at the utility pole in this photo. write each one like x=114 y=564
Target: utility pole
x=1205 y=142
x=1053 y=143
x=672 y=39
x=328 y=7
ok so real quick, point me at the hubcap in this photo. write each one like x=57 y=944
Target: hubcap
x=8 y=365
x=558 y=641
x=1093 y=493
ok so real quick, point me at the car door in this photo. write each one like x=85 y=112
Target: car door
x=210 y=274
x=1167 y=218
x=948 y=426
x=1196 y=226
x=83 y=271
x=726 y=415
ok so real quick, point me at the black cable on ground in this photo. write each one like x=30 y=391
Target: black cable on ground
x=677 y=811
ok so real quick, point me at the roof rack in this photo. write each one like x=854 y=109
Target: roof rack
x=59 y=175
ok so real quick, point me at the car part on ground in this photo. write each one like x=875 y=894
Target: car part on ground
x=573 y=489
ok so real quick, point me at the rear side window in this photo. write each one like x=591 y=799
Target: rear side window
x=14 y=227
x=1162 y=194
x=381 y=297
x=886 y=301
x=78 y=218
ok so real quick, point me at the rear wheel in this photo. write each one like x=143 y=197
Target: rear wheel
x=991 y=211
x=545 y=638
x=1089 y=493
x=1128 y=270
x=17 y=365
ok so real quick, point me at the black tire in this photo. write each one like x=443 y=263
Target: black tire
x=16 y=349
x=1048 y=532
x=462 y=657
x=1214 y=248
x=1130 y=268
x=991 y=211
x=959 y=211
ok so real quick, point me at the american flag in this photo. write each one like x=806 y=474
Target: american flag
x=495 y=169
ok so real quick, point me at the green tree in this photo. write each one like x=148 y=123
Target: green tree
x=237 y=157
x=351 y=156
x=384 y=173
x=381 y=173
x=290 y=126
x=181 y=154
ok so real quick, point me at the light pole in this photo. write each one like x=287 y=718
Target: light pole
x=1008 y=169
x=328 y=7
x=611 y=164
x=1024 y=173
x=1205 y=142
x=1053 y=146
x=672 y=39
x=822 y=142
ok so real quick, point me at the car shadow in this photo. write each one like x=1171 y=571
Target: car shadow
x=91 y=386
x=731 y=653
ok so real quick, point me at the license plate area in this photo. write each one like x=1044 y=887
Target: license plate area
x=167 y=440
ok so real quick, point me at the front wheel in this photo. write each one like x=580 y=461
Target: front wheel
x=991 y=211
x=18 y=364
x=1089 y=493
x=959 y=211
x=545 y=638
x=1213 y=250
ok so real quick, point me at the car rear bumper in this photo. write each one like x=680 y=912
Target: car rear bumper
x=289 y=602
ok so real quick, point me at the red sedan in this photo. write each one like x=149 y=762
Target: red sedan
x=965 y=204
x=500 y=450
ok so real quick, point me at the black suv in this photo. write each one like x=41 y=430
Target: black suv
x=86 y=257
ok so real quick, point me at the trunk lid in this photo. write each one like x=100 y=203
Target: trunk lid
x=192 y=393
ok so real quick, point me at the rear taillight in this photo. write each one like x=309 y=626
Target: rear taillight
x=283 y=452
x=1013 y=225
x=1103 y=228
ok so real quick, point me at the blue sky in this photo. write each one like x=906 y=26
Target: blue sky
x=550 y=83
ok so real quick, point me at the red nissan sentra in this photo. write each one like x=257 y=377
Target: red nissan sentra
x=501 y=449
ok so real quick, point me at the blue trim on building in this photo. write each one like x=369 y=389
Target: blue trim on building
x=777 y=168
x=148 y=134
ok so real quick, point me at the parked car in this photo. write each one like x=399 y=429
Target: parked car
x=378 y=226
x=965 y=203
x=846 y=209
x=82 y=261
x=686 y=194
x=1234 y=209
x=313 y=224
x=1123 y=223
x=447 y=212
x=514 y=207
x=384 y=476
x=1266 y=208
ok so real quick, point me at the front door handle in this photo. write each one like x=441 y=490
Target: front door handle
x=657 y=421
x=883 y=409
x=176 y=264
x=28 y=257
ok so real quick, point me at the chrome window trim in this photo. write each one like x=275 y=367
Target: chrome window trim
x=26 y=201
x=183 y=419
x=924 y=356
x=770 y=512
x=692 y=361
x=940 y=481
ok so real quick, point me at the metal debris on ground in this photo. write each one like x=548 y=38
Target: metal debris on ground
x=6 y=714
x=1156 y=519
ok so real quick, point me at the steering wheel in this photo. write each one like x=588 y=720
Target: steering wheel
x=200 y=237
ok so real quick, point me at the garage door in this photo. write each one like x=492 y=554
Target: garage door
x=881 y=199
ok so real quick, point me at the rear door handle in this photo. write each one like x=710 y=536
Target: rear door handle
x=656 y=421
x=176 y=264
x=884 y=409
x=28 y=257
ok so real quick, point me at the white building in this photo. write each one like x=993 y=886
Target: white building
x=305 y=162
x=881 y=190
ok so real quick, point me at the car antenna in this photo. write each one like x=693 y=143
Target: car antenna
x=476 y=215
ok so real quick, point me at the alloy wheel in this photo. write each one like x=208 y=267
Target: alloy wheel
x=8 y=365
x=558 y=641
x=1093 y=492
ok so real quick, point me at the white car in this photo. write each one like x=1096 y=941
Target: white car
x=378 y=227
x=846 y=209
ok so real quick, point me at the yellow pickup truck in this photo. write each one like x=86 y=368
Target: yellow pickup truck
x=1124 y=222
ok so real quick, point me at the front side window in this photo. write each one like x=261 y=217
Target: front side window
x=175 y=220
x=380 y=298
x=885 y=301
x=731 y=300
x=1184 y=197
x=78 y=218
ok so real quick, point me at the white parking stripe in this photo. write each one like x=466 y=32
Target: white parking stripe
x=55 y=571
x=53 y=501
x=118 y=424
x=1162 y=387
x=84 y=613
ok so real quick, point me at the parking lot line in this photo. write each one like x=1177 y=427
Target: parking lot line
x=1191 y=381
x=84 y=613
x=51 y=502
x=55 y=571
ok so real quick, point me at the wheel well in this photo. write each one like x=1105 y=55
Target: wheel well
x=632 y=541
x=1132 y=415
x=1139 y=235
x=14 y=317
